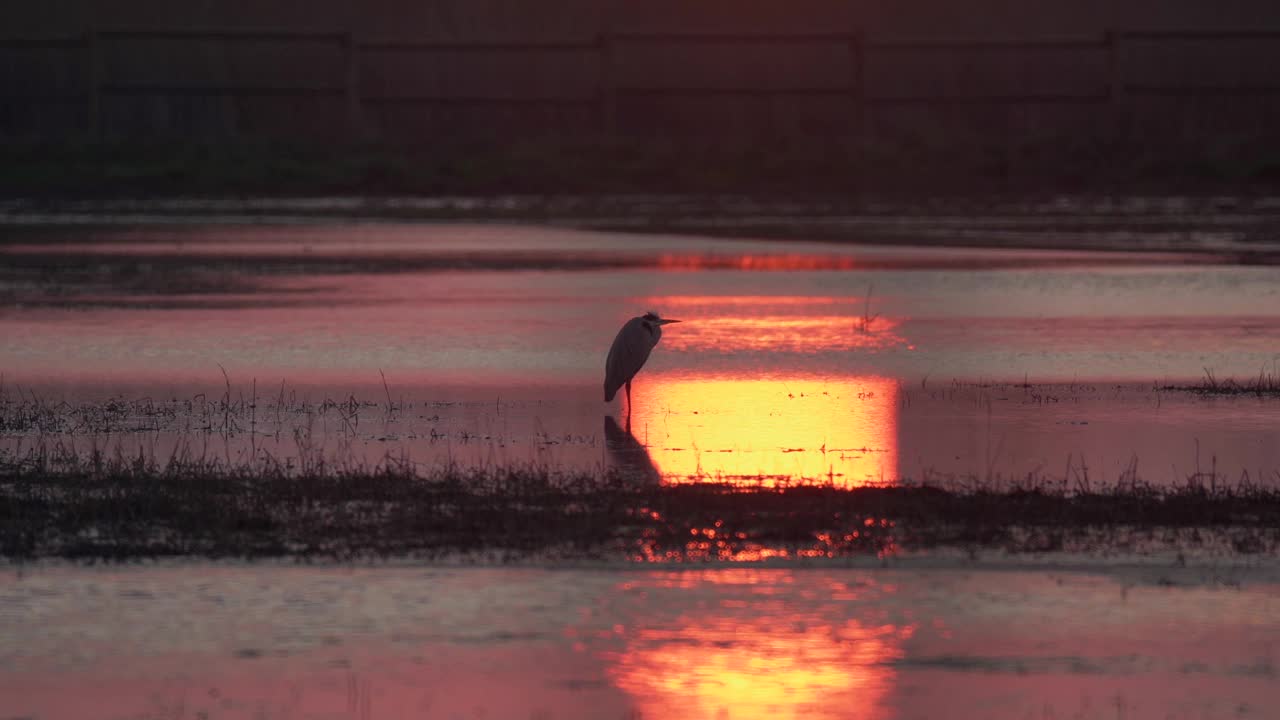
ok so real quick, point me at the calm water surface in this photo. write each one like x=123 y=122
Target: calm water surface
x=851 y=363
x=270 y=642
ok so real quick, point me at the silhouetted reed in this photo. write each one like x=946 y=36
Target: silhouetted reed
x=1266 y=384
x=82 y=481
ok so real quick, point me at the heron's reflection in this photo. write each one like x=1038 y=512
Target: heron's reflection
x=626 y=455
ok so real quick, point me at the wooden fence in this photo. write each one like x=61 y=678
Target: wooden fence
x=357 y=83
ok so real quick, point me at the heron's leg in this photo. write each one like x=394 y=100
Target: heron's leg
x=628 y=403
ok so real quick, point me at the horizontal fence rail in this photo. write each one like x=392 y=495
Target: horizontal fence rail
x=604 y=56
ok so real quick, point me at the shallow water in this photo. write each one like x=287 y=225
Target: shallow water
x=289 y=642
x=852 y=363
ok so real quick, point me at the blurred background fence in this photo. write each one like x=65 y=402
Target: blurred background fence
x=324 y=83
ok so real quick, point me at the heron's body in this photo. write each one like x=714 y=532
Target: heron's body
x=629 y=352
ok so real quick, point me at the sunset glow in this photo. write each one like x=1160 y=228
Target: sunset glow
x=787 y=333
x=783 y=664
x=777 y=324
x=749 y=261
x=770 y=429
x=722 y=545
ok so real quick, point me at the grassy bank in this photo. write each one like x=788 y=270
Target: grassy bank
x=94 y=507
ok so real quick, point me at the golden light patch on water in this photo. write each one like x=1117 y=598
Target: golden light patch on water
x=701 y=301
x=754 y=261
x=778 y=663
x=803 y=334
x=769 y=429
x=777 y=323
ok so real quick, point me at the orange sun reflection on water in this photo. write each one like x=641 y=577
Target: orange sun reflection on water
x=769 y=429
x=756 y=261
x=784 y=333
x=759 y=655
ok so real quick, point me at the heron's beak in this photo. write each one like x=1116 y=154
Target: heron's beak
x=665 y=321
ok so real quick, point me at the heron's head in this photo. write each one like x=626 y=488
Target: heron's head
x=651 y=318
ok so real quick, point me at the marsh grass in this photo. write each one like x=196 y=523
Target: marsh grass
x=862 y=323
x=1265 y=384
x=56 y=502
x=234 y=411
x=80 y=481
x=119 y=506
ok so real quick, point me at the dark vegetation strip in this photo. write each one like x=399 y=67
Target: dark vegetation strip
x=940 y=163
x=56 y=501
x=1266 y=384
x=94 y=508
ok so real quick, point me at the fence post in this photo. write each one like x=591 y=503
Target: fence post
x=351 y=83
x=607 y=92
x=94 y=52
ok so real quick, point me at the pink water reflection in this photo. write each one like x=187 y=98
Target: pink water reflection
x=796 y=359
x=357 y=643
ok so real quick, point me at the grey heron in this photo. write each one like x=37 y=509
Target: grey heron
x=630 y=350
